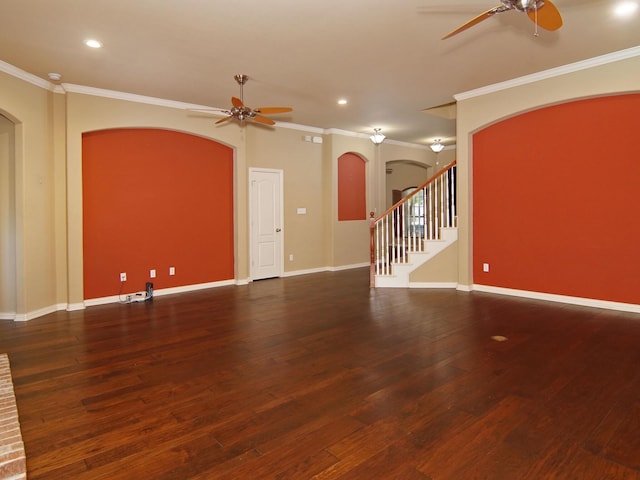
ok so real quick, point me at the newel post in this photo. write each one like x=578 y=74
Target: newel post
x=372 y=248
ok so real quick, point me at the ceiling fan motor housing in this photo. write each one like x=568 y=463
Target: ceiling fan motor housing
x=523 y=5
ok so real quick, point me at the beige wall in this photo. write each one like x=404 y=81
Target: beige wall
x=48 y=183
x=441 y=269
x=7 y=220
x=301 y=162
x=401 y=175
x=48 y=176
x=475 y=112
x=36 y=194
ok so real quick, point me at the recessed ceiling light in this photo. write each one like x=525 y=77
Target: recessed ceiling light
x=623 y=9
x=93 y=43
x=342 y=101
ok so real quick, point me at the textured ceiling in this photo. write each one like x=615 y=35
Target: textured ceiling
x=387 y=58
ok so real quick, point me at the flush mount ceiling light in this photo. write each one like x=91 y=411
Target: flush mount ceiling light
x=93 y=43
x=436 y=146
x=342 y=101
x=377 y=137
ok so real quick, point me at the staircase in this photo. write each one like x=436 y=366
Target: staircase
x=414 y=230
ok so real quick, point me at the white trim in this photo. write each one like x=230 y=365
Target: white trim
x=348 y=267
x=72 y=307
x=433 y=284
x=464 y=288
x=132 y=97
x=552 y=72
x=339 y=268
x=26 y=76
x=40 y=312
x=160 y=292
x=550 y=297
x=295 y=273
x=347 y=133
x=7 y=315
x=244 y=281
x=297 y=126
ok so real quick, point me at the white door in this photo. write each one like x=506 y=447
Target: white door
x=265 y=196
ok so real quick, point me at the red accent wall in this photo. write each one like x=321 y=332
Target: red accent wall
x=352 y=188
x=154 y=199
x=556 y=199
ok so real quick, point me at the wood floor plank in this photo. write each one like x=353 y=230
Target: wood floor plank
x=319 y=376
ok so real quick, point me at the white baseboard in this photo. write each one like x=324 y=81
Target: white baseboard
x=433 y=284
x=295 y=273
x=550 y=297
x=339 y=268
x=348 y=267
x=23 y=317
x=72 y=307
x=160 y=292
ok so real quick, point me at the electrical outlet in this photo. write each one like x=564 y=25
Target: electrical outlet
x=152 y=273
x=123 y=277
x=485 y=267
x=291 y=258
x=172 y=270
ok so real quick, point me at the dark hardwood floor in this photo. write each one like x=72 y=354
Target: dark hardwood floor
x=318 y=376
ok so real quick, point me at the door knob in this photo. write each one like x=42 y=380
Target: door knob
x=278 y=230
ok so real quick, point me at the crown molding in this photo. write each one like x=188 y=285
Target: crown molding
x=26 y=76
x=552 y=72
x=130 y=97
x=347 y=133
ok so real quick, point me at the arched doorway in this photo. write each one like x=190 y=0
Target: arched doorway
x=403 y=174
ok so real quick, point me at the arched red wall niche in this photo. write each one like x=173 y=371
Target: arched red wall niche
x=555 y=200
x=352 y=187
x=154 y=199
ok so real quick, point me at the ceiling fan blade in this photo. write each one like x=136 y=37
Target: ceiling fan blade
x=261 y=119
x=225 y=119
x=271 y=110
x=474 y=21
x=548 y=15
x=236 y=102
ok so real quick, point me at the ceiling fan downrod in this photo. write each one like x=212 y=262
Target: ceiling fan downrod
x=241 y=79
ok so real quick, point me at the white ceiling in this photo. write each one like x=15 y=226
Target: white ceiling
x=385 y=57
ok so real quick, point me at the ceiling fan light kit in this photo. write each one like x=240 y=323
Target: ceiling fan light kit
x=239 y=111
x=541 y=12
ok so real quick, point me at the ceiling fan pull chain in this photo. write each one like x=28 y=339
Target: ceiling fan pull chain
x=535 y=32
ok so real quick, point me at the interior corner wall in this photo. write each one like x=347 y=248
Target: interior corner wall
x=29 y=107
x=154 y=199
x=7 y=220
x=555 y=195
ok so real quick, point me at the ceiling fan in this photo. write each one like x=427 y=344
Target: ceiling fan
x=542 y=12
x=241 y=112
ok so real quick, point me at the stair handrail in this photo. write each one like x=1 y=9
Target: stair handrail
x=374 y=226
x=417 y=190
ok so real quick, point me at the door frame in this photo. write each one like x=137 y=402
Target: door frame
x=252 y=234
